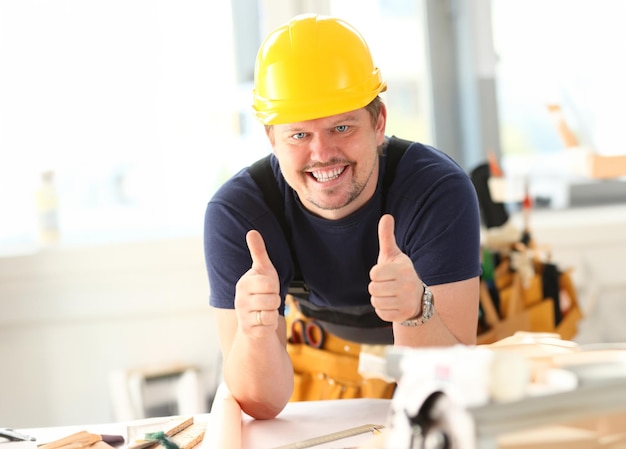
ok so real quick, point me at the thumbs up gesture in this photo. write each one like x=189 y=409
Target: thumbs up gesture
x=257 y=293
x=395 y=288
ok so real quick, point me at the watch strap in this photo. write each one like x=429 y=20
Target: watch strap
x=426 y=312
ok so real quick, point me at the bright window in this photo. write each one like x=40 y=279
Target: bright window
x=565 y=53
x=134 y=109
x=130 y=103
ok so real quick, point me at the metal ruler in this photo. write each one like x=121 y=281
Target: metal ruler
x=333 y=437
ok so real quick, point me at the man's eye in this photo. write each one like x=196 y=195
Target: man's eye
x=342 y=128
x=298 y=136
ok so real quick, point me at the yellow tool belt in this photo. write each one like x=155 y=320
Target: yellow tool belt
x=326 y=366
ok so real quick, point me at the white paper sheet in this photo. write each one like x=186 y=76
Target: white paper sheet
x=303 y=420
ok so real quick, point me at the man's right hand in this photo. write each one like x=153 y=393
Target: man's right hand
x=256 y=365
x=257 y=294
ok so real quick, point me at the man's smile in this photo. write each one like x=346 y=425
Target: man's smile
x=328 y=175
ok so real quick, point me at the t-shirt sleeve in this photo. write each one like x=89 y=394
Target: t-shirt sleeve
x=225 y=252
x=440 y=219
x=449 y=249
x=236 y=208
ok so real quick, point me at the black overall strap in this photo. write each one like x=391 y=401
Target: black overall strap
x=394 y=152
x=261 y=172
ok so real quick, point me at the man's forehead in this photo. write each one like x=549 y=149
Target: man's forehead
x=333 y=120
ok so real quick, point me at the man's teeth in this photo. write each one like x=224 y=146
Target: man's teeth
x=329 y=175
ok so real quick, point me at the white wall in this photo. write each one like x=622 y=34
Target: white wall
x=70 y=316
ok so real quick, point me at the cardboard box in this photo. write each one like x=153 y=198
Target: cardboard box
x=606 y=432
x=596 y=166
x=550 y=437
x=610 y=424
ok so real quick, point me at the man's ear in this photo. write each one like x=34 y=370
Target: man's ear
x=269 y=132
x=381 y=124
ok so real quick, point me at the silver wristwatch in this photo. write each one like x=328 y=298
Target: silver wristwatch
x=428 y=309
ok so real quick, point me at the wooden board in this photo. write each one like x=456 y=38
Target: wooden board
x=190 y=436
x=184 y=432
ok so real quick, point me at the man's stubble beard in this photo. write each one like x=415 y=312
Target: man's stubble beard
x=354 y=193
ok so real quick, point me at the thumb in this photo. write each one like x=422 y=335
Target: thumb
x=260 y=259
x=386 y=239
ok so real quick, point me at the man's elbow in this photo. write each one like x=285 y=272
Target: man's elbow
x=262 y=410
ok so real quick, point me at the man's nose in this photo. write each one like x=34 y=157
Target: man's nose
x=322 y=148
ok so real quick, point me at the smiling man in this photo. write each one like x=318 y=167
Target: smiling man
x=331 y=162
x=388 y=254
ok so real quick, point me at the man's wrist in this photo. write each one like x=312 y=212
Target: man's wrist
x=426 y=311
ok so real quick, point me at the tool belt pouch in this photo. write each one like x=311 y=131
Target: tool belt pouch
x=331 y=371
x=524 y=303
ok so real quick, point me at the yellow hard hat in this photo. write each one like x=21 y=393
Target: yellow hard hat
x=312 y=67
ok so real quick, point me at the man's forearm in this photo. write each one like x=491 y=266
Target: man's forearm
x=454 y=320
x=259 y=374
x=432 y=333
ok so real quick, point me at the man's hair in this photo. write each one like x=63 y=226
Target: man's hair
x=373 y=108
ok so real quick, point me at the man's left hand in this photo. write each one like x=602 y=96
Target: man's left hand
x=395 y=288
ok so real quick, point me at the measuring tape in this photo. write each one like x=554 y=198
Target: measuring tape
x=333 y=437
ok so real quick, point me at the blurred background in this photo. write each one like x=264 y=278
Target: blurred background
x=120 y=118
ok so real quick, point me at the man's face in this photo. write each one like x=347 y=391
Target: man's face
x=331 y=162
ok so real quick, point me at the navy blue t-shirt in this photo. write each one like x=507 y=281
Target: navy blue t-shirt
x=437 y=225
